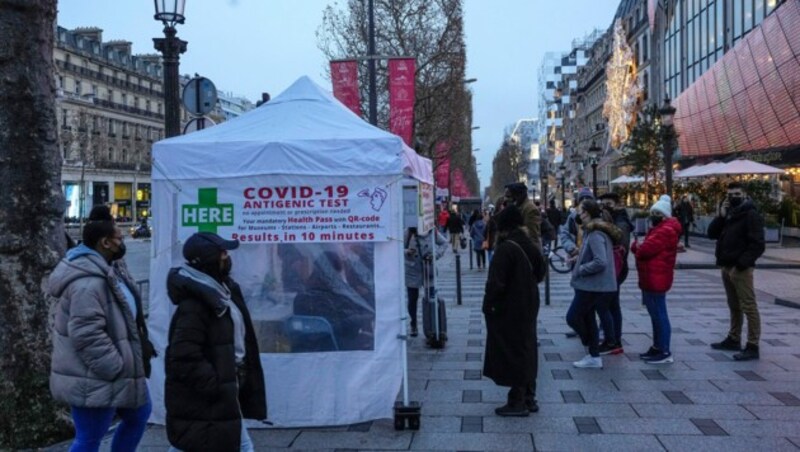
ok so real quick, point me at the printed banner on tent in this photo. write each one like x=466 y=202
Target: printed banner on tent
x=287 y=210
x=401 y=97
x=344 y=75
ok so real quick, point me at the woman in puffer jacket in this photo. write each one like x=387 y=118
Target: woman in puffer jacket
x=101 y=354
x=655 y=261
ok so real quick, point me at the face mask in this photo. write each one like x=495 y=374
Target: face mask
x=656 y=220
x=119 y=253
x=736 y=202
x=225 y=267
x=578 y=220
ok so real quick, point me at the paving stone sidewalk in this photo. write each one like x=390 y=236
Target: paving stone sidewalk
x=704 y=401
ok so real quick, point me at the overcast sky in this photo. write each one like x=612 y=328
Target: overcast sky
x=250 y=46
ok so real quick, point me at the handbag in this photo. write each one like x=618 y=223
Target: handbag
x=463 y=242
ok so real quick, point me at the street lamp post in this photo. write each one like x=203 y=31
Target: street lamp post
x=594 y=153
x=562 y=172
x=170 y=13
x=667 y=112
x=371 y=62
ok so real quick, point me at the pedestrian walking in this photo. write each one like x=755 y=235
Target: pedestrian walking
x=569 y=235
x=213 y=369
x=593 y=278
x=418 y=249
x=613 y=320
x=655 y=262
x=478 y=234
x=517 y=194
x=685 y=215
x=455 y=227
x=554 y=216
x=511 y=308
x=101 y=352
x=442 y=220
x=739 y=232
x=491 y=228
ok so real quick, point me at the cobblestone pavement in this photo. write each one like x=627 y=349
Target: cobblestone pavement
x=704 y=401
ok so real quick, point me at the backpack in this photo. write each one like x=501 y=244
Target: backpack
x=619 y=260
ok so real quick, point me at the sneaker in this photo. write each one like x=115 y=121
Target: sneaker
x=589 y=362
x=660 y=358
x=649 y=353
x=571 y=334
x=727 y=344
x=414 y=331
x=532 y=406
x=749 y=353
x=511 y=410
x=611 y=349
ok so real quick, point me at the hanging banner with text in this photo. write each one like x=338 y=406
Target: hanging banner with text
x=287 y=209
x=344 y=76
x=401 y=97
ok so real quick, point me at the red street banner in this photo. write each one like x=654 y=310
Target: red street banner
x=401 y=97
x=344 y=75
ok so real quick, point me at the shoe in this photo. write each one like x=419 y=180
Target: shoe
x=727 y=344
x=414 y=331
x=660 y=358
x=749 y=353
x=649 y=353
x=589 y=362
x=611 y=349
x=510 y=410
x=571 y=334
x=532 y=406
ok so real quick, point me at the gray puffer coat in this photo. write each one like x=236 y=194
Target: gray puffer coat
x=97 y=345
x=422 y=249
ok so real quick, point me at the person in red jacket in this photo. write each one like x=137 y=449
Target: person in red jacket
x=442 y=219
x=655 y=261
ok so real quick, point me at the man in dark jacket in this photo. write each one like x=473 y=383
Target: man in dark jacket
x=455 y=226
x=554 y=216
x=517 y=194
x=511 y=306
x=739 y=232
x=214 y=378
x=685 y=215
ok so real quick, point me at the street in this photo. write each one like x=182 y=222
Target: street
x=703 y=401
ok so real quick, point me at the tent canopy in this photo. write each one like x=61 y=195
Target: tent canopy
x=625 y=179
x=303 y=131
x=740 y=166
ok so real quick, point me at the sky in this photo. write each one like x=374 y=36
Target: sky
x=250 y=46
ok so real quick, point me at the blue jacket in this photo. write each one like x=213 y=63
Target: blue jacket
x=594 y=270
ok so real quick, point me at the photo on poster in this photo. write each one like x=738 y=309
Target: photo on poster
x=310 y=297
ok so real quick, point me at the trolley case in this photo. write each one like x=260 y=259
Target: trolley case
x=434 y=322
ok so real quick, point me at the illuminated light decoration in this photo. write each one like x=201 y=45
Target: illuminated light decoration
x=623 y=89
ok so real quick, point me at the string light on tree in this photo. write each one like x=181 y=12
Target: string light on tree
x=623 y=89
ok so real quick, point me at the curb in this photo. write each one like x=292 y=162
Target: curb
x=787 y=303
x=699 y=266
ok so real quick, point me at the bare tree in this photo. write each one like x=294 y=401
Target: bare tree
x=30 y=220
x=432 y=31
x=508 y=166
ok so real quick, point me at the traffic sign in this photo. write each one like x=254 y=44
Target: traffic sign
x=199 y=96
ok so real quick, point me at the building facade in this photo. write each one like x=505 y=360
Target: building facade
x=110 y=111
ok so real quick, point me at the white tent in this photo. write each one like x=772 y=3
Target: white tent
x=743 y=166
x=698 y=170
x=625 y=179
x=312 y=192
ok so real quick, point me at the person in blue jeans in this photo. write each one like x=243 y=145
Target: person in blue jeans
x=593 y=278
x=101 y=353
x=655 y=262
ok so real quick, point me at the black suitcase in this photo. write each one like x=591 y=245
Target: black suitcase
x=434 y=326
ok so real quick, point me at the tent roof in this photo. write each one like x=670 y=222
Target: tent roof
x=743 y=166
x=303 y=131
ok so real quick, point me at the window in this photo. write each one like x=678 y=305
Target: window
x=124 y=156
x=748 y=15
x=112 y=127
x=63 y=118
x=124 y=99
x=78 y=87
x=720 y=24
x=759 y=13
x=60 y=82
x=737 y=18
x=644 y=48
x=111 y=95
x=147 y=105
x=110 y=154
x=95 y=123
x=135 y=102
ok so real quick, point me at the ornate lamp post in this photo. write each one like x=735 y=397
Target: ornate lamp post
x=170 y=13
x=667 y=112
x=594 y=153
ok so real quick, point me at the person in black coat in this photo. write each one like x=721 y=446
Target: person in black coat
x=510 y=307
x=214 y=378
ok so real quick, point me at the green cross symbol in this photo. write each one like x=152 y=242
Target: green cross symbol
x=207 y=215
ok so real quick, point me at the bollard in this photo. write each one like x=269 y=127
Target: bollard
x=546 y=284
x=469 y=250
x=458 y=279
